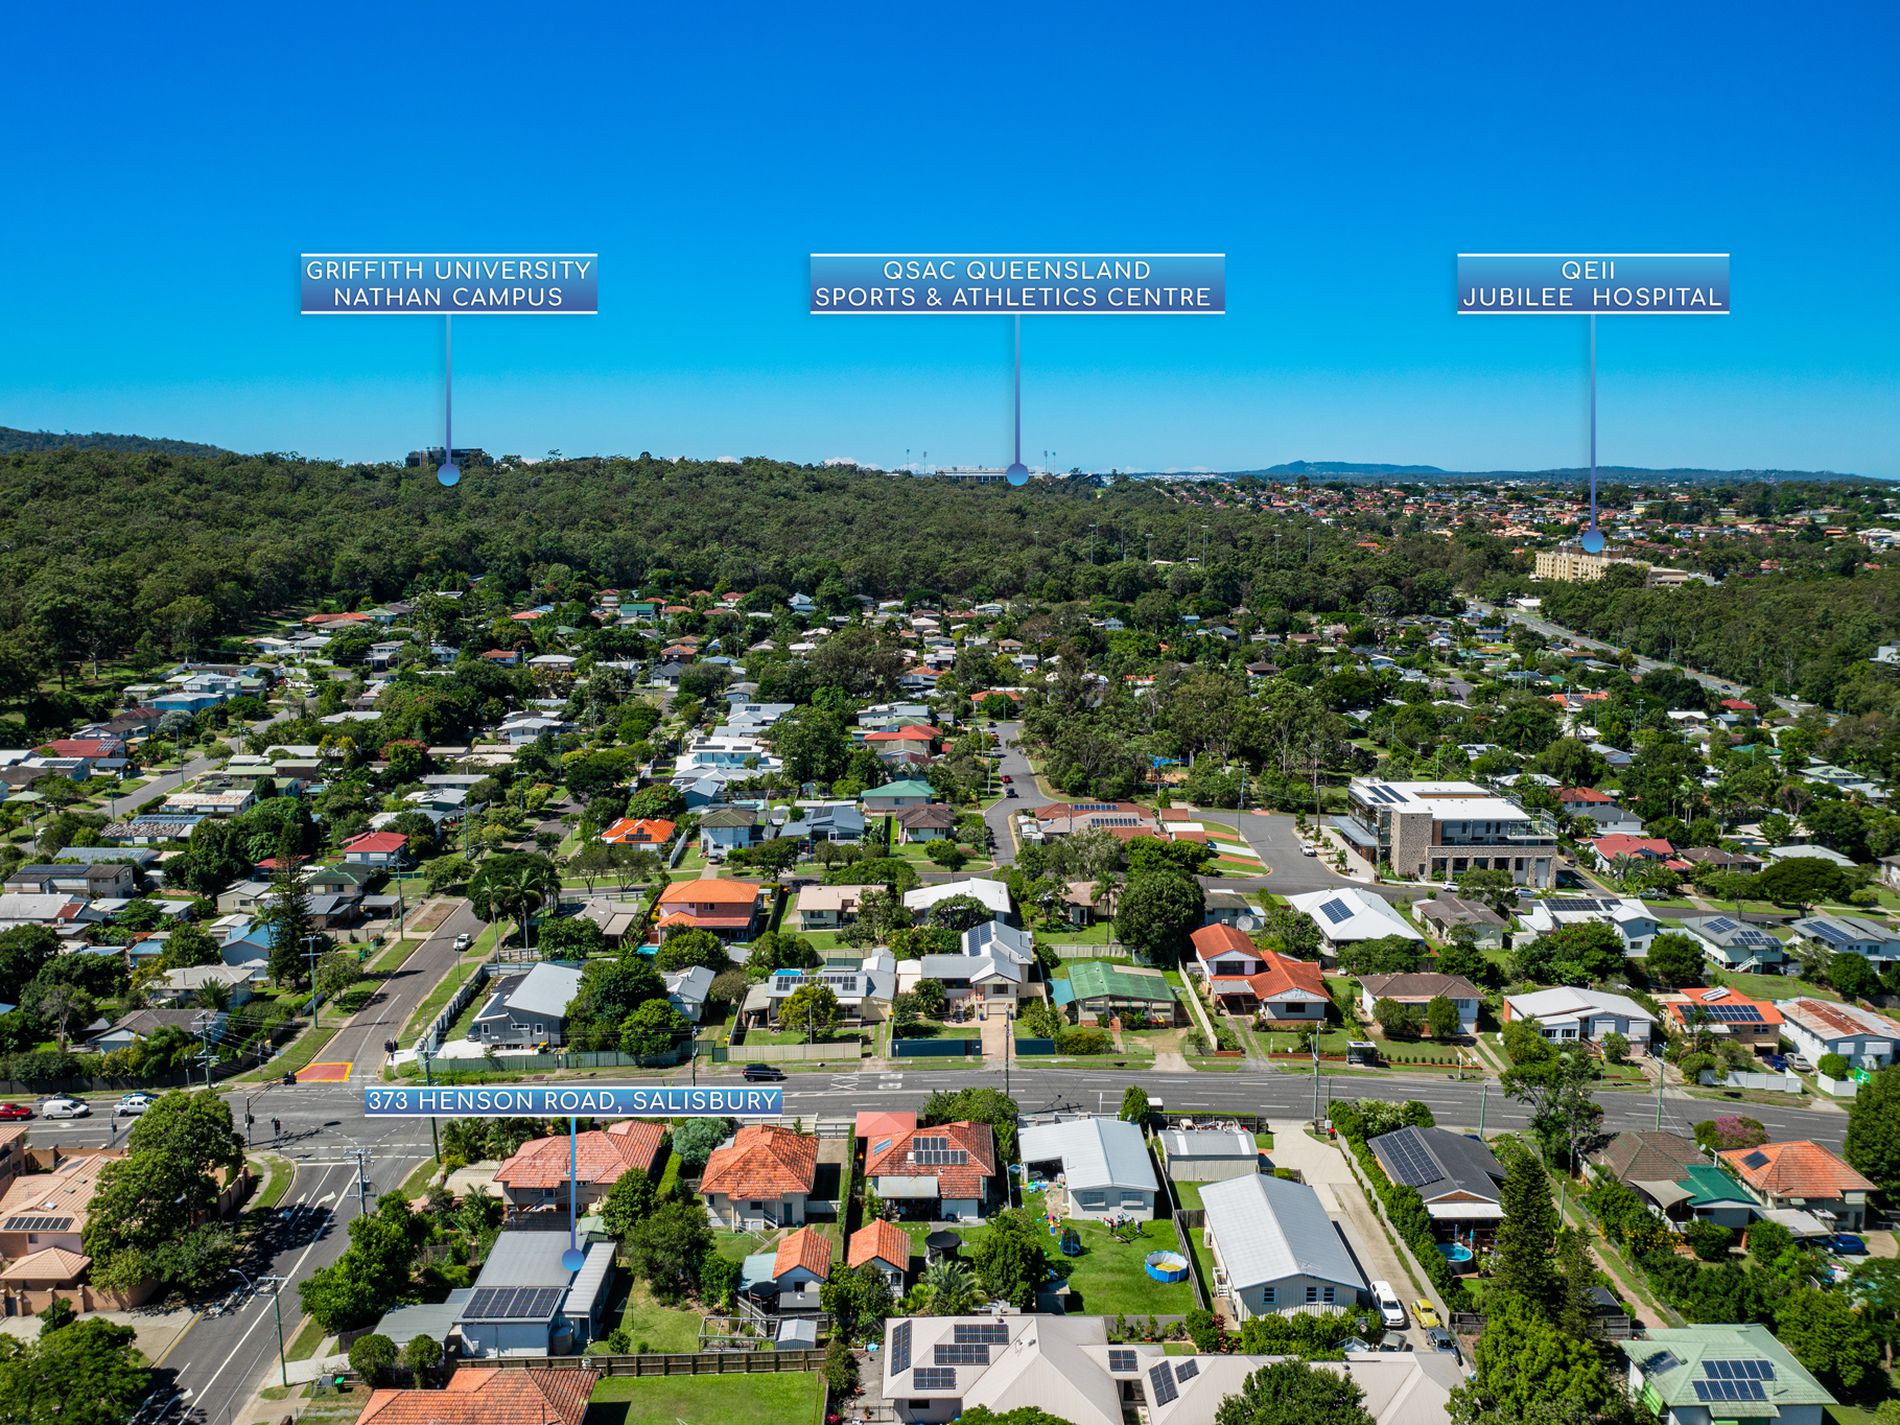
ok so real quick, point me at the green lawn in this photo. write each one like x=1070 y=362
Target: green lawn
x=439 y=997
x=783 y=1397
x=300 y=1052
x=1110 y=1278
x=653 y=1327
x=304 y=1344
x=1771 y=986
x=393 y=955
x=278 y=1173
x=1096 y=934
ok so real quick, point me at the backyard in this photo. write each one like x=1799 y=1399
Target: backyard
x=791 y=1397
x=1109 y=1277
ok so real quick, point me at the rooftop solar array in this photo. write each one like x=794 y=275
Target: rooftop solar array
x=1832 y=934
x=1734 y=1013
x=951 y=1353
x=985 y=1333
x=1384 y=795
x=1756 y=1159
x=1722 y=925
x=900 y=1347
x=38 y=1224
x=1739 y=1370
x=1710 y=1391
x=1412 y=1164
x=1160 y=1385
x=1187 y=1370
x=934 y=1378
x=1335 y=910
x=514 y=1303
x=1121 y=1360
x=1576 y=905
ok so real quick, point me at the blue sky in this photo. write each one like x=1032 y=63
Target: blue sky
x=166 y=166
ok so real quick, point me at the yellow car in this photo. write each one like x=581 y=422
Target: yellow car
x=1427 y=1316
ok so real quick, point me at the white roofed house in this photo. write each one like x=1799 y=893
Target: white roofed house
x=1568 y=1016
x=1633 y=921
x=529 y=1009
x=1275 y=1250
x=1436 y=831
x=1101 y=1163
x=993 y=895
x=1349 y=915
x=1734 y=944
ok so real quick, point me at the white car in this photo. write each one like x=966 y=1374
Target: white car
x=463 y=941
x=1391 y=1309
x=65 y=1108
x=132 y=1104
x=1307 y=848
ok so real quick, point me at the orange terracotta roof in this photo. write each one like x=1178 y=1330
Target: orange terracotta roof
x=808 y=1248
x=873 y=1121
x=478 y=1396
x=880 y=1241
x=602 y=1156
x=1799 y=1169
x=1706 y=996
x=1281 y=974
x=50 y=1264
x=709 y=890
x=763 y=1160
x=1212 y=940
x=640 y=831
x=962 y=1181
x=67 y=1191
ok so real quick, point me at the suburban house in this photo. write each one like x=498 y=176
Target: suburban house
x=41 y=1218
x=938 y=1173
x=1612 y=851
x=1458 y=1177
x=1806 y=1177
x=885 y=1248
x=1607 y=817
x=486 y=1396
x=992 y=895
x=688 y=990
x=1729 y=1014
x=99 y=879
x=1349 y=915
x=187 y=983
x=1233 y=908
x=1566 y=1016
x=938 y=1368
x=650 y=831
x=818 y=822
x=134 y=1025
x=930 y=822
x=1436 y=831
x=385 y=850
x=896 y=797
x=1630 y=918
x=730 y=828
x=1446 y=912
x=1850 y=934
x=1209 y=1155
x=1671 y=1172
x=995 y=980
x=787 y=1278
x=1102 y=1165
x=1816 y=1027
x=528 y=1010
x=1275 y=1250
x=863 y=988
x=1695 y=1375
x=528 y=1302
x=729 y=909
x=1736 y=945
x=537 y=1176
x=826 y=907
x=761 y=1179
x=1245 y=979
x=1102 y=990
x=1420 y=989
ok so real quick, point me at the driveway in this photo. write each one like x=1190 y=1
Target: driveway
x=1324 y=1167
x=1276 y=842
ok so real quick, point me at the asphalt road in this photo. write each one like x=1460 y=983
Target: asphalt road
x=1023 y=778
x=158 y=787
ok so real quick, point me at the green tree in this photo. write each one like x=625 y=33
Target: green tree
x=153 y=1218
x=1526 y=1370
x=1135 y=1108
x=859 y=1299
x=1441 y=1018
x=423 y=1357
x=1396 y=1018
x=292 y=933
x=373 y=1357
x=685 y=948
x=369 y=1278
x=1873 y=1129
x=666 y=1247
x=654 y=1029
x=976 y=1105
x=1010 y=1261
x=627 y=1201
x=947 y=1289
x=88 y=1373
x=1675 y=960
x=188 y=946
x=1295 y=1393
x=572 y=937
x=1158 y=911
x=1827 y=1335
x=810 y=1009
x=1527 y=1237
x=695 y=1138
x=1556 y=1089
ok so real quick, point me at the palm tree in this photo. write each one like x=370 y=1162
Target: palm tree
x=949 y=1288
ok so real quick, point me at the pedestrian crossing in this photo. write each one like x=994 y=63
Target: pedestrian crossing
x=886 y=1081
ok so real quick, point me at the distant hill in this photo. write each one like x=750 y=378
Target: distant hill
x=12 y=442
x=1432 y=474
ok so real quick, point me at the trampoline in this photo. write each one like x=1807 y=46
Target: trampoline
x=1167 y=1266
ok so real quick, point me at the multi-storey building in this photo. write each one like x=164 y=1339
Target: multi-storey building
x=1437 y=831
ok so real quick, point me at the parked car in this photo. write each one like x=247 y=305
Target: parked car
x=763 y=1074
x=14 y=1112
x=1307 y=848
x=1391 y=1309
x=132 y=1104
x=61 y=1107
x=1394 y=1341
x=1439 y=1339
x=1009 y=794
x=1845 y=1244
x=464 y=940
x=1426 y=1313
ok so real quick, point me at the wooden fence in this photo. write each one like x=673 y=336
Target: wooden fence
x=669 y=1363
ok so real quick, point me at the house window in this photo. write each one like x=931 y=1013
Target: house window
x=1269 y=1295
x=755 y=1207
x=1312 y=1295
x=1327 y=1296
x=1089 y=1199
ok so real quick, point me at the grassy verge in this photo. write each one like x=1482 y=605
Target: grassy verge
x=278 y=1173
x=300 y=1053
x=392 y=957
x=438 y=998
x=417 y=1183
x=304 y=1344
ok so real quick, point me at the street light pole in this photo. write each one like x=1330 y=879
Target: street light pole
x=277 y=1284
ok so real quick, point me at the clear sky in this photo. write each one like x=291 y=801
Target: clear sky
x=165 y=165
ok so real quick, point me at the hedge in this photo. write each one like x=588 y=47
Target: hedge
x=1404 y=1209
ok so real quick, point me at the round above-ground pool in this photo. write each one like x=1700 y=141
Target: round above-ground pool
x=1457 y=1253
x=1167 y=1266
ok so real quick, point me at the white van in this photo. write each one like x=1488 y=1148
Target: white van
x=1391 y=1310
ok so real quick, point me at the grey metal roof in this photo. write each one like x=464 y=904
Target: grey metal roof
x=1094 y=1152
x=547 y=990
x=1202 y=1144
x=1269 y=1229
x=524 y=1257
x=1437 y=1161
x=432 y=1319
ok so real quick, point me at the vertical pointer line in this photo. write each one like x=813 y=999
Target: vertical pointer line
x=1017 y=457
x=1593 y=422
x=448 y=387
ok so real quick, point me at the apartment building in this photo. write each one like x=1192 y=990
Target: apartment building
x=1436 y=831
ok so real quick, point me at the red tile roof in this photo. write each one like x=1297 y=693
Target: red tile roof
x=1582 y=794
x=873 y=1121
x=479 y=1396
x=377 y=842
x=640 y=831
x=1610 y=847
x=880 y=1241
x=893 y=1158
x=1281 y=974
x=808 y=1248
x=602 y=1156
x=709 y=890
x=1212 y=940
x=1798 y=1169
x=763 y=1160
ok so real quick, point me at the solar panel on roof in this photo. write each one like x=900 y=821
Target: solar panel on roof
x=1412 y=1164
x=1160 y=1385
x=934 y=1378
x=900 y=1347
x=1121 y=1360
x=1757 y=1159
x=951 y=1353
x=1187 y=1370
x=988 y=1333
x=38 y=1224
x=1336 y=911
x=1721 y=925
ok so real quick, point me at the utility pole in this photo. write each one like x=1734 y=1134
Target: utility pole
x=277 y=1284
x=1659 y=1091
x=428 y=1077
x=1315 y=1043
x=1484 y=1090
